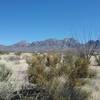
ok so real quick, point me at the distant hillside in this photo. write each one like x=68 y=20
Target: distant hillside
x=48 y=45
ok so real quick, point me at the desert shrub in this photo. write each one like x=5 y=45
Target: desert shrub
x=81 y=66
x=5 y=85
x=92 y=73
x=68 y=59
x=13 y=58
x=74 y=93
x=4 y=72
x=73 y=70
x=6 y=90
x=18 y=53
x=52 y=60
x=39 y=76
x=98 y=59
x=76 y=74
x=3 y=52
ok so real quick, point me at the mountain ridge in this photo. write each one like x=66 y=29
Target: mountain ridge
x=47 y=45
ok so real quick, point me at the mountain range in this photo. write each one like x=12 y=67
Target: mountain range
x=48 y=45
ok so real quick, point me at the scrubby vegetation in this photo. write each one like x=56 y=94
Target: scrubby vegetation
x=62 y=79
x=51 y=76
x=3 y=52
x=18 y=53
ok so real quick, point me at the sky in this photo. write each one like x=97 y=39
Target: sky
x=34 y=20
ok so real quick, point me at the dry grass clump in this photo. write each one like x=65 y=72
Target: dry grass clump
x=63 y=80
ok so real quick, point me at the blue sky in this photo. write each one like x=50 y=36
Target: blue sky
x=32 y=20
